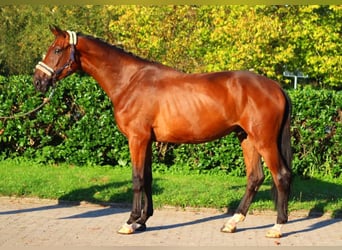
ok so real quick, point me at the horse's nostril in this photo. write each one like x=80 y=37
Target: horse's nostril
x=36 y=83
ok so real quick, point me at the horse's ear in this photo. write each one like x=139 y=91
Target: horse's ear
x=56 y=30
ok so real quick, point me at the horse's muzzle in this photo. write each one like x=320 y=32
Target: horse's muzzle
x=42 y=84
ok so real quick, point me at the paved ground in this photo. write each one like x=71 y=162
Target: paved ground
x=32 y=222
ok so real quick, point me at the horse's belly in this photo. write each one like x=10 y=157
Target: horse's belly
x=184 y=117
x=181 y=130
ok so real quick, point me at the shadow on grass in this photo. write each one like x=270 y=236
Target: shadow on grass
x=118 y=199
x=95 y=193
x=323 y=193
x=76 y=197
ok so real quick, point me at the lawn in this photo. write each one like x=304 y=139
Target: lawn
x=113 y=184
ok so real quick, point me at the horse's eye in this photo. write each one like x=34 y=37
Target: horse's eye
x=58 y=51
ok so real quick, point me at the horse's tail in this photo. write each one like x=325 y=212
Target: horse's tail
x=284 y=142
x=285 y=135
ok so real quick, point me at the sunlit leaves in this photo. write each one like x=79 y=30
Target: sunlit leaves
x=188 y=37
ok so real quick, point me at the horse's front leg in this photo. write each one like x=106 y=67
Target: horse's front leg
x=141 y=156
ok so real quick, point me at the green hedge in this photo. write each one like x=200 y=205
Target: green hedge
x=78 y=127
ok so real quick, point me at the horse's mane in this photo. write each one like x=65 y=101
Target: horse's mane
x=116 y=47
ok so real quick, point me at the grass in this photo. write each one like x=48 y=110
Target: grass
x=113 y=184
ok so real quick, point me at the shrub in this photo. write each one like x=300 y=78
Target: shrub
x=78 y=127
x=317 y=132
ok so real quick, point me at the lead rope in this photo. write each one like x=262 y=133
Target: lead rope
x=45 y=101
x=49 y=71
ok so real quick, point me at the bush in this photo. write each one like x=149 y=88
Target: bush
x=78 y=127
x=317 y=132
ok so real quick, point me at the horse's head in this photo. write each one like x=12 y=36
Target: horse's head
x=59 y=62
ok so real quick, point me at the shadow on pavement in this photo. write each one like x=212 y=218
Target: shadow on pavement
x=189 y=223
x=312 y=227
x=29 y=210
x=107 y=211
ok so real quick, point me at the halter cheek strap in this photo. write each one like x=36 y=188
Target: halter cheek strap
x=50 y=71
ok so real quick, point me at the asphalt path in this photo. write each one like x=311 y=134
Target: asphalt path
x=36 y=222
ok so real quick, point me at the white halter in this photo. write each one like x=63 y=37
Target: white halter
x=72 y=37
x=47 y=69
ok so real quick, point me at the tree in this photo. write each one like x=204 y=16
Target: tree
x=190 y=38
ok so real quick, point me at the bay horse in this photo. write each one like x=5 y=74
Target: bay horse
x=156 y=103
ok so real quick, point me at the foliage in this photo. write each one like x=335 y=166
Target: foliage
x=78 y=127
x=192 y=38
x=70 y=128
x=317 y=132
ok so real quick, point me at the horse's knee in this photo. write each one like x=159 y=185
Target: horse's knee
x=284 y=179
x=137 y=183
x=287 y=178
x=255 y=181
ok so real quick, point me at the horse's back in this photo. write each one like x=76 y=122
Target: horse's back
x=203 y=107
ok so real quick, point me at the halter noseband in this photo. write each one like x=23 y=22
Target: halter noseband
x=50 y=71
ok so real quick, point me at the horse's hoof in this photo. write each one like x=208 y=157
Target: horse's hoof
x=228 y=228
x=273 y=233
x=126 y=229
x=131 y=228
x=141 y=228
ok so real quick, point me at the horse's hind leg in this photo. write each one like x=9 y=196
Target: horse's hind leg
x=255 y=177
x=282 y=180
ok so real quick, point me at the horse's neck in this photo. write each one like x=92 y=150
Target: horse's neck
x=109 y=66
